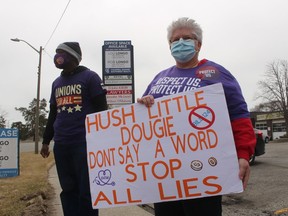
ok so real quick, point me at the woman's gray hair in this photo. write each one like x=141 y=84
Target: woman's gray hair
x=187 y=23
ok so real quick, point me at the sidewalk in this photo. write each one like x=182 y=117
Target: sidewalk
x=56 y=208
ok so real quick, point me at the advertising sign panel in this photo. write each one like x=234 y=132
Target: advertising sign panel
x=119 y=94
x=118 y=69
x=117 y=56
x=9 y=152
x=118 y=79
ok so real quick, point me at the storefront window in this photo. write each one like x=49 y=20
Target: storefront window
x=261 y=126
x=279 y=127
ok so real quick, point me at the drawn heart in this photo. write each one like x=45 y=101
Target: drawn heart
x=104 y=176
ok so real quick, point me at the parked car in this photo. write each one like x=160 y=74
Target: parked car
x=266 y=139
x=260 y=145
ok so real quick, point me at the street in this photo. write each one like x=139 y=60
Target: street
x=267 y=192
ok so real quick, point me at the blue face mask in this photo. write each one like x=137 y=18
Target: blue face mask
x=183 y=50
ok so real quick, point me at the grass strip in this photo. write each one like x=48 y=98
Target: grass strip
x=17 y=193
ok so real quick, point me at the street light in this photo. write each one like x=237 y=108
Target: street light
x=38 y=92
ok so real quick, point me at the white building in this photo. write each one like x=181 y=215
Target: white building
x=271 y=124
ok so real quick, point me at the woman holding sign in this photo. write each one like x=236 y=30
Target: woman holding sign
x=185 y=41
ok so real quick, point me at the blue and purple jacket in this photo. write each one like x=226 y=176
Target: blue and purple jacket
x=175 y=80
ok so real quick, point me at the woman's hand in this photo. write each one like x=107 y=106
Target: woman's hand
x=244 y=171
x=147 y=100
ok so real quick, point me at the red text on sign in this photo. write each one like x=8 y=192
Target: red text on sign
x=182 y=104
x=137 y=132
x=104 y=120
x=159 y=170
x=188 y=188
x=114 y=200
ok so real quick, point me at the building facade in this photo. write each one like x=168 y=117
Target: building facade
x=271 y=124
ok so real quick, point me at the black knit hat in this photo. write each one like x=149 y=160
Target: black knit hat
x=72 y=48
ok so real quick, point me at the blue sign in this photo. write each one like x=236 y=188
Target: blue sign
x=9 y=152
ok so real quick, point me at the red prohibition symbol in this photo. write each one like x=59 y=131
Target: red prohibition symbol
x=201 y=117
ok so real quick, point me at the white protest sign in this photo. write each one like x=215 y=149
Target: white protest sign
x=180 y=148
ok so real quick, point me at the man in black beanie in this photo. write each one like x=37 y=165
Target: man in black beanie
x=75 y=93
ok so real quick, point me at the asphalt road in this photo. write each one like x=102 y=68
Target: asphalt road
x=267 y=192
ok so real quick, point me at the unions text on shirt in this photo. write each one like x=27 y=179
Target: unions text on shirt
x=68 y=90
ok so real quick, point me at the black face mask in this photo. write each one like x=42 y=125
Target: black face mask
x=62 y=60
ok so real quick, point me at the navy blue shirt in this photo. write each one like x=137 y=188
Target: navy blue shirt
x=72 y=94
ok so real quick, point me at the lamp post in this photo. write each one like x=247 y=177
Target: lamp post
x=38 y=92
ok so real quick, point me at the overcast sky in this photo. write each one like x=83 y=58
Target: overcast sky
x=243 y=36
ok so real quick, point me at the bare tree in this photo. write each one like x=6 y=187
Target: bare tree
x=274 y=87
x=264 y=107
